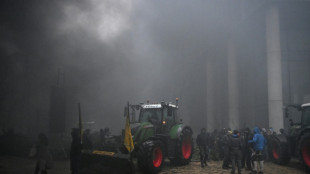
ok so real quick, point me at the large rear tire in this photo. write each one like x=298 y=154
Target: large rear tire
x=151 y=156
x=184 y=148
x=304 y=145
x=280 y=151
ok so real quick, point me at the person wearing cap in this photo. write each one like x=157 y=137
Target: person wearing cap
x=235 y=146
x=202 y=143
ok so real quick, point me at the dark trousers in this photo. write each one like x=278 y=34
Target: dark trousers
x=203 y=154
x=235 y=156
x=74 y=165
x=248 y=161
x=37 y=170
x=226 y=157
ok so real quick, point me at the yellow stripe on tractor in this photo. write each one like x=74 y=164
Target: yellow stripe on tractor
x=98 y=152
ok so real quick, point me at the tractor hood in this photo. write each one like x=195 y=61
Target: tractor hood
x=143 y=132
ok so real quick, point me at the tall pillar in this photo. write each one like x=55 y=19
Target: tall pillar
x=233 y=94
x=210 y=95
x=274 y=69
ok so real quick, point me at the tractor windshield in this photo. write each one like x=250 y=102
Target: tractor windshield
x=153 y=114
x=305 y=117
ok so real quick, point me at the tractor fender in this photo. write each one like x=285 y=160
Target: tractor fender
x=305 y=130
x=177 y=130
x=280 y=138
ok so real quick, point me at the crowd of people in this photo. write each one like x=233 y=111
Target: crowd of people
x=238 y=148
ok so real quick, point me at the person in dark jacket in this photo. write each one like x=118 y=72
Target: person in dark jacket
x=225 y=148
x=202 y=143
x=42 y=154
x=259 y=143
x=75 y=151
x=87 y=143
x=247 y=149
x=235 y=147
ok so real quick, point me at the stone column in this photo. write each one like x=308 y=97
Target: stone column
x=233 y=94
x=274 y=68
x=210 y=95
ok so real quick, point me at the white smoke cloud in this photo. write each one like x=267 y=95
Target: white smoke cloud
x=102 y=19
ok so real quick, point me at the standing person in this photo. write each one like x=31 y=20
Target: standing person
x=42 y=154
x=102 y=137
x=209 y=145
x=235 y=147
x=75 y=151
x=87 y=143
x=247 y=149
x=225 y=148
x=259 y=143
x=266 y=150
x=202 y=142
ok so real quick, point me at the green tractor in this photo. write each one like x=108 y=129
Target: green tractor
x=297 y=142
x=157 y=134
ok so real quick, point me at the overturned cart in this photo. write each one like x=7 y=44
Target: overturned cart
x=156 y=135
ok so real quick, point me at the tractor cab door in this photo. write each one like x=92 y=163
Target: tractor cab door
x=293 y=113
x=169 y=115
x=305 y=118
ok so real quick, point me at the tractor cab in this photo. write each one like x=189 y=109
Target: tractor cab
x=162 y=116
x=305 y=116
x=299 y=118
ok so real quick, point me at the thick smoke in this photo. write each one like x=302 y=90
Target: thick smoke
x=110 y=52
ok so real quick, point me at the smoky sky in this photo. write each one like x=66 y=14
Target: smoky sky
x=110 y=52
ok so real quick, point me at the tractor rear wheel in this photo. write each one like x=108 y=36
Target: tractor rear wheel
x=304 y=145
x=184 y=148
x=280 y=151
x=151 y=156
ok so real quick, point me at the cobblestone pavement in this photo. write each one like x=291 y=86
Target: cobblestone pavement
x=215 y=167
x=15 y=165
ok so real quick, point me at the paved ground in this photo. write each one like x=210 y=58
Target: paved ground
x=15 y=165
x=214 y=167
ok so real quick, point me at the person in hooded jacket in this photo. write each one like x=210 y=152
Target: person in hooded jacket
x=235 y=147
x=202 y=142
x=259 y=143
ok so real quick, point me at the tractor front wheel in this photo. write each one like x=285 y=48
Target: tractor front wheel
x=280 y=151
x=151 y=156
x=305 y=149
x=184 y=148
